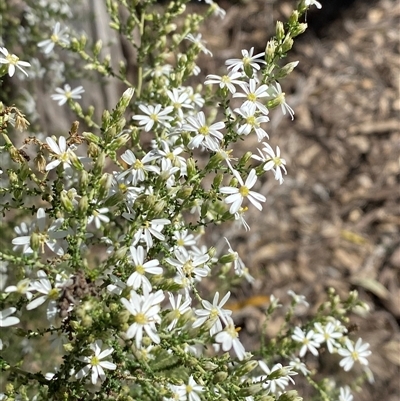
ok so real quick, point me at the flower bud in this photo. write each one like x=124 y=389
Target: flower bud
x=191 y=168
x=105 y=183
x=219 y=377
x=185 y=192
x=83 y=206
x=66 y=202
x=279 y=31
x=35 y=241
x=245 y=158
x=227 y=258
x=83 y=180
x=99 y=163
x=210 y=366
x=119 y=142
x=252 y=390
x=287 y=69
x=287 y=44
x=294 y=17
x=218 y=180
x=299 y=29
x=159 y=207
x=75 y=161
x=247 y=367
x=91 y=137
x=97 y=48
x=105 y=120
x=270 y=51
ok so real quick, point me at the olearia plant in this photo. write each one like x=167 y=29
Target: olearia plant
x=104 y=252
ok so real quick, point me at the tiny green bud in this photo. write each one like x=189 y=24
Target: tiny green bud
x=185 y=192
x=99 y=163
x=75 y=325
x=12 y=176
x=114 y=200
x=279 y=31
x=247 y=367
x=105 y=183
x=299 y=29
x=84 y=180
x=219 y=377
x=83 y=206
x=252 y=390
x=218 y=180
x=245 y=158
x=34 y=241
x=121 y=252
x=287 y=44
x=294 y=17
x=170 y=28
x=227 y=258
x=160 y=207
x=75 y=161
x=119 y=141
x=93 y=150
x=210 y=366
x=105 y=119
x=90 y=137
x=66 y=202
x=212 y=252
x=191 y=167
x=97 y=48
x=287 y=69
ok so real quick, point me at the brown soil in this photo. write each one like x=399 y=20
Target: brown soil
x=335 y=221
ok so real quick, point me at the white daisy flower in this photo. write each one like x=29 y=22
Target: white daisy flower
x=208 y=136
x=95 y=363
x=153 y=115
x=13 y=61
x=237 y=195
x=248 y=61
x=145 y=309
x=354 y=352
x=58 y=36
x=226 y=81
x=307 y=340
x=138 y=279
x=63 y=95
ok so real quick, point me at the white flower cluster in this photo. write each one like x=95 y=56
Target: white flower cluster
x=137 y=210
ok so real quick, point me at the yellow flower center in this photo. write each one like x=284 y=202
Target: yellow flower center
x=53 y=294
x=188 y=268
x=154 y=117
x=252 y=121
x=138 y=165
x=244 y=191
x=94 y=361
x=246 y=60
x=140 y=269
x=54 y=38
x=277 y=161
x=252 y=97
x=225 y=79
x=204 y=130
x=141 y=318
x=12 y=59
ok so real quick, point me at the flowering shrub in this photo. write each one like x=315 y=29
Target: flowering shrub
x=107 y=266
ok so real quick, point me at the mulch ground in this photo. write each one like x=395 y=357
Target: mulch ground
x=335 y=221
